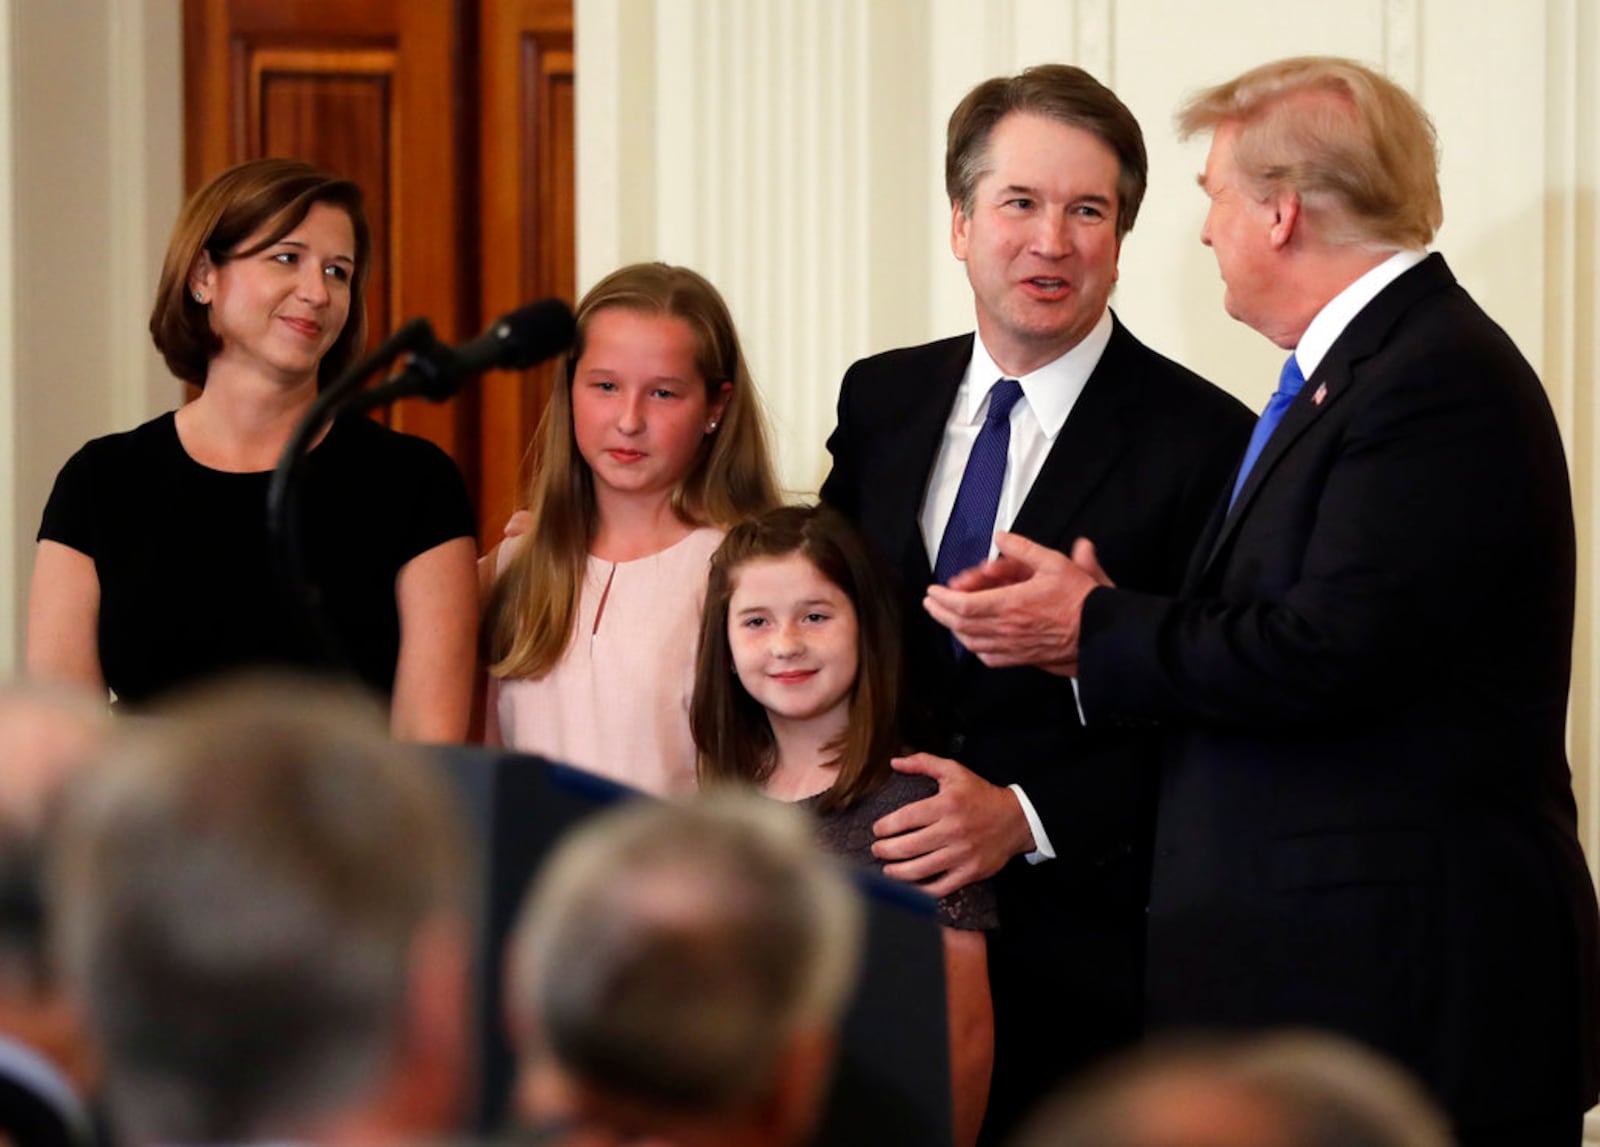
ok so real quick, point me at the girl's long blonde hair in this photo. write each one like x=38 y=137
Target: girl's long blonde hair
x=531 y=609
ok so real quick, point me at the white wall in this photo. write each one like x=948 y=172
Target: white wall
x=792 y=150
x=90 y=180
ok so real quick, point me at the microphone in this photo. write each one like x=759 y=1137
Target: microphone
x=526 y=336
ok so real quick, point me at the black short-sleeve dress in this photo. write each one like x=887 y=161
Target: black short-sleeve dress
x=187 y=583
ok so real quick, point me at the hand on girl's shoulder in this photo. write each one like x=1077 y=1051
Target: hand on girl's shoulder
x=517 y=524
x=489 y=564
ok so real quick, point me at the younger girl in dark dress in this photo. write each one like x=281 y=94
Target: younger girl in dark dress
x=797 y=690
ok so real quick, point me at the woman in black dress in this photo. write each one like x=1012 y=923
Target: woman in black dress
x=153 y=567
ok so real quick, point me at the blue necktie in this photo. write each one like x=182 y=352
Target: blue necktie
x=970 y=531
x=1289 y=384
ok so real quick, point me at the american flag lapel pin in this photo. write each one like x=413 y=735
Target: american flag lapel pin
x=1319 y=394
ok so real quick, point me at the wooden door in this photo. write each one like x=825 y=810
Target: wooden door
x=455 y=117
x=528 y=217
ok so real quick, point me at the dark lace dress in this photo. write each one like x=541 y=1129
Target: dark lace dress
x=848 y=833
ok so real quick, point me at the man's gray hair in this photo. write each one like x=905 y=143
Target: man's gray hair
x=669 y=953
x=240 y=886
x=46 y=733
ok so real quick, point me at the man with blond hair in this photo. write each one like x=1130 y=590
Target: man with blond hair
x=1366 y=816
x=262 y=903
x=678 y=976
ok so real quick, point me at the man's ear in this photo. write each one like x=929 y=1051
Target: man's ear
x=804 y=1072
x=958 y=231
x=436 y=1038
x=542 y=1092
x=1287 y=216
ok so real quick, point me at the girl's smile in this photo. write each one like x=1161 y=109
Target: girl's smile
x=793 y=633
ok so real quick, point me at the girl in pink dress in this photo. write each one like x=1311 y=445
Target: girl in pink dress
x=797 y=690
x=652 y=449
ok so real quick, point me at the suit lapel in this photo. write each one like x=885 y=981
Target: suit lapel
x=1333 y=378
x=1095 y=435
x=1321 y=392
x=917 y=449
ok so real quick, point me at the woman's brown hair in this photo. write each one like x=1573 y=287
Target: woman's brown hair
x=731 y=729
x=530 y=613
x=271 y=195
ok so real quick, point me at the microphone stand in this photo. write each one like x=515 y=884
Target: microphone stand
x=301 y=593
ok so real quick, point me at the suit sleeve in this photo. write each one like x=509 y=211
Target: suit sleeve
x=1072 y=800
x=839 y=487
x=1393 y=554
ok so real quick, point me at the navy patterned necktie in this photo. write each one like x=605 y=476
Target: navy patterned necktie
x=1289 y=383
x=970 y=531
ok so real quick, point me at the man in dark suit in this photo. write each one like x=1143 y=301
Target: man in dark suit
x=1366 y=817
x=1045 y=172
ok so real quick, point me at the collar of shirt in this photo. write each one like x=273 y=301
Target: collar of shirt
x=1342 y=309
x=25 y=1065
x=1051 y=390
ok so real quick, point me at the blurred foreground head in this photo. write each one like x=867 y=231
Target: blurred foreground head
x=679 y=971
x=262 y=911
x=48 y=1069
x=1288 y=1090
x=46 y=734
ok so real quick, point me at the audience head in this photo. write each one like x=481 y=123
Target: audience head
x=1355 y=146
x=1059 y=92
x=239 y=213
x=262 y=911
x=46 y=734
x=731 y=726
x=1286 y=1090
x=679 y=970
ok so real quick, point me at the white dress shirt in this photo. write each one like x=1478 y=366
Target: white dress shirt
x=1342 y=309
x=1048 y=396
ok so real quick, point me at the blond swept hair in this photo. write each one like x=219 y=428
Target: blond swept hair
x=1355 y=145
x=534 y=602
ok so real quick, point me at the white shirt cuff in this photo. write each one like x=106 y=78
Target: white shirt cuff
x=1042 y=848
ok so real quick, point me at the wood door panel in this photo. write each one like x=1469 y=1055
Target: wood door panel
x=335 y=110
x=529 y=217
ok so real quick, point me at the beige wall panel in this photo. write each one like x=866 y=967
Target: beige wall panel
x=90 y=181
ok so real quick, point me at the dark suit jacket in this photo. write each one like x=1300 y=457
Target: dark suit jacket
x=1366 y=819
x=1137 y=468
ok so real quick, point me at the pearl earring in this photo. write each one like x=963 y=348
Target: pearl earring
x=199 y=298
x=711 y=427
